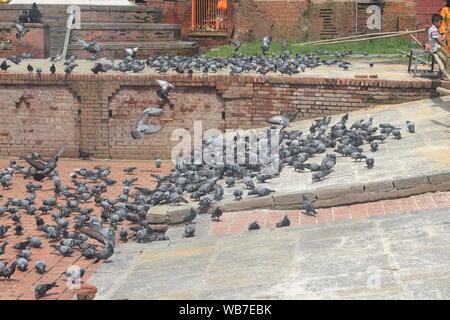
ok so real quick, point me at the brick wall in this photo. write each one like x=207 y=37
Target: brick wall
x=35 y=41
x=97 y=112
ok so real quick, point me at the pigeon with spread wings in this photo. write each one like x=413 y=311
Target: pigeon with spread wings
x=92 y=47
x=21 y=31
x=141 y=128
x=163 y=91
x=45 y=167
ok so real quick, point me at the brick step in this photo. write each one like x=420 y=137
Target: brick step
x=115 y=50
x=122 y=32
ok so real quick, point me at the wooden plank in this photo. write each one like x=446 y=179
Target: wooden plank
x=353 y=39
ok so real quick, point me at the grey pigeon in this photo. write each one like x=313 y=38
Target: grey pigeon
x=260 y=191
x=254 y=226
x=63 y=250
x=189 y=231
x=216 y=214
x=284 y=222
x=21 y=31
x=411 y=126
x=370 y=162
x=40 y=266
x=237 y=193
x=22 y=264
x=106 y=253
x=308 y=206
x=41 y=290
x=141 y=128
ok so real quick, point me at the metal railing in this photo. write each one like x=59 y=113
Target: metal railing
x=209 y=15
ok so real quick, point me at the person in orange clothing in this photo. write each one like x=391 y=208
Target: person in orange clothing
x=445 y=27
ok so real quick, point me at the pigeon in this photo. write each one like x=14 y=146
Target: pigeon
x=4 y=66
x=2 y=247
x=53 y=68
x=40 y=266
x=254 y=226
x=30 y=68
x=308 y=206
x=106 y=253
x=373 y=146
x=41 y=290
x=284 y=222
x=89 y=253
x=21 y=31
x=129 y=170
x=63 y=250
x=158 y=163
x=34 y=242
x=189 y=217
x=84 y=155
x=266 y=44
x=260 y=191
x=92 y=47
x=132 y=51
x=163 y=91
x=411 y=126
x=237 y=193
x=370 y=162
x=189 y=231
x=216 y=214
x=371 y=64
x=45 y=168
x=57 y=57
x=74 y=274
x=123 y=235
x=141 y=128
x=18 y=229
x=70 y=67
x=9 y=271
x=396 y=133
x=22 y=264
x=237 y=44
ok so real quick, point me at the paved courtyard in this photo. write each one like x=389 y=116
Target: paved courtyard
x=385 y=68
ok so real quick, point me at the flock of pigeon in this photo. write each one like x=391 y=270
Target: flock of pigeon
x=71 y=208
x=286 y=63
x=199 y=179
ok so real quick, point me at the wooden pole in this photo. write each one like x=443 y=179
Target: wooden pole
x=351 y=37
x=338 y=41
x=441 y=66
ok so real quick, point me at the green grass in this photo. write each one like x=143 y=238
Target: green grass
x=378 y=46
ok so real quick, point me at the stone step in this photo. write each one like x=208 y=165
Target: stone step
x=404 y=255
x=115 y=50
x=120 y=32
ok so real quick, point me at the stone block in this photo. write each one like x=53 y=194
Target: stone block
x=409 y=183
x=157 y=214
x=379 y=187
x=247 y=203
x=439 y=178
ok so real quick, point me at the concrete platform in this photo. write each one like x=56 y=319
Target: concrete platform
x=417 y=163
x=385 y=257
x=385 y=69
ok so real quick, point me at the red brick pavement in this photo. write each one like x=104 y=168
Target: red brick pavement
x=22 y=284
x=235 y=222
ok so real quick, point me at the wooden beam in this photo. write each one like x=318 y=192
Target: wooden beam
x=441 y=66
x=338 y=40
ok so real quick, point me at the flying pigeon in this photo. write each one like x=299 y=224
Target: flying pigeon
x=141 y=128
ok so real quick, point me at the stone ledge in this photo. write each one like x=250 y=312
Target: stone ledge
x=351 y=194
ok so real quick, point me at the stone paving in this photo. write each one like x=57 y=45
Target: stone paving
x=417 y=163
x=392 y=256
x=23 y=283
x=383 y=68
